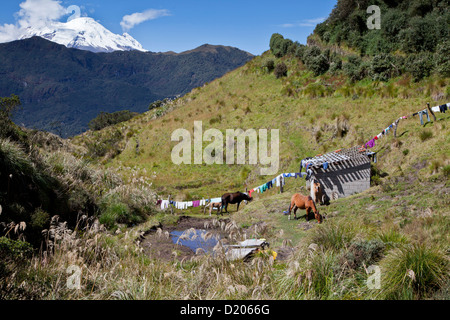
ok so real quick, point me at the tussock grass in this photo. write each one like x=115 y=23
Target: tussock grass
x=413 y=272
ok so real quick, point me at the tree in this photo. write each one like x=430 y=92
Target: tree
x=276 y=44
x=7 y=107
x=316 y=61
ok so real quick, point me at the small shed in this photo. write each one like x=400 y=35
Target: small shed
x=341 y=173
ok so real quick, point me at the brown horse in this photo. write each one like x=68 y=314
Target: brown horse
x=299 y=201
x=233 y=198
x=212 y=205
x=316 y=192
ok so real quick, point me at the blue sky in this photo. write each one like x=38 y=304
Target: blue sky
x=180 y=25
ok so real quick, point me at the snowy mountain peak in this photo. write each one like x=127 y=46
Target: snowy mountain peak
x=86 y=34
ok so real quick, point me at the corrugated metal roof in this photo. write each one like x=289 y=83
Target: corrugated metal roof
x=338 y=156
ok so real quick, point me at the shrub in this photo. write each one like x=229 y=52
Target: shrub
x=317 y=64
x=364 y=252
x=116 y=213
x=105 y=119
x=300 y=51
x=40 y=219
x=419 y=65
x=269 y=64
x=336 y=63
x=382 y=67
x=127 y=204
x=155 y=104
x=354 y=68
x=14 y=249
x=105 y=144
x=280 y=70
x=441 y=60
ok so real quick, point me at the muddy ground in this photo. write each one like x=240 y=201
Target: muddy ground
x=157 y=243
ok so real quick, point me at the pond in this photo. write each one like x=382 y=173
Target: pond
x=195 y=239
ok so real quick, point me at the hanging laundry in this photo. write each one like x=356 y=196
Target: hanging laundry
x=370 y=143
x=325 y=165
x=269 y=184
x=421 y=113
x=300 y=174
x=164 y=204
x=196 y=203
x=280 y=180
x=309 y=173
x=373 y=156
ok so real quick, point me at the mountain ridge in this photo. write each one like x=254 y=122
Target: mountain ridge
x=70 y=87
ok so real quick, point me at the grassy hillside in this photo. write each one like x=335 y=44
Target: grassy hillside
x=400 y=225
x=307 y=110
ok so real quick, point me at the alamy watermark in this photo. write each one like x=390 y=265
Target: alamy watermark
x=74 y=278
x=374 y=280
x=374 y=21
x=235 y=140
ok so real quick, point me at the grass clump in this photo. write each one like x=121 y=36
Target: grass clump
x=413 y=272
x=425 y=135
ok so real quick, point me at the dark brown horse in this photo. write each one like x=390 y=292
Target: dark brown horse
x=299 y=201
x=233 y=198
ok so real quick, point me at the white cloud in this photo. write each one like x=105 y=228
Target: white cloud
x=38 y=13
x=304 y=23
x=129 y=21
x=9 y=32
x=33 y=13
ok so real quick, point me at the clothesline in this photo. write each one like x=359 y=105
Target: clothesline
x=305 y=163
x=277 y=181
x=182 y=205
x=442 y=108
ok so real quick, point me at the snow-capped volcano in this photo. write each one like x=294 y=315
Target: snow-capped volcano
x=86 y=34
